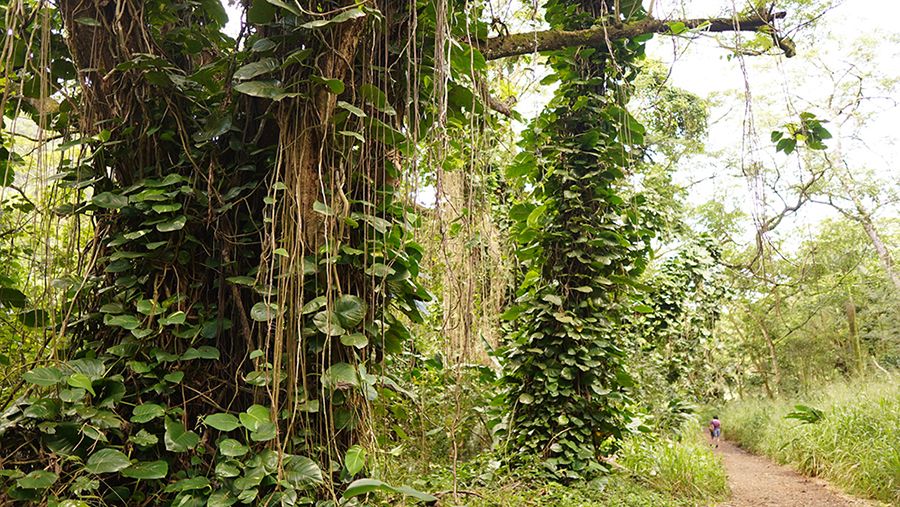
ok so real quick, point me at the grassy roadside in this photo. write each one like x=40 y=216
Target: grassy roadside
x=661 y=473
x=855 y=444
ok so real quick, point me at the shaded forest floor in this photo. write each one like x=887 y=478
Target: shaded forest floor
x=756 y=481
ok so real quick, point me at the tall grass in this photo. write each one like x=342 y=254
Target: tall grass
x=685 y=469
x=856 y=444
x=648 y=472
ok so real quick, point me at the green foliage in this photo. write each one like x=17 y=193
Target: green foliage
x=648 y=471
x=830 y=317
x=682 y=469
x=850 y=440
x=673 y=336
x=169 y=335
x=808 y=131
x=807 y=415
x=581 y=244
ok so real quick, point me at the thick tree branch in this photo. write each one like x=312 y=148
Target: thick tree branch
x=549 y=40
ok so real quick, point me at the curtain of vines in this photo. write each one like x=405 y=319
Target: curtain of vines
x=580 y=244
x=673 y=334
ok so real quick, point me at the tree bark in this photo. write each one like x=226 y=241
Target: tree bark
x=865 y=219
x=773 y=356
x=854 y=334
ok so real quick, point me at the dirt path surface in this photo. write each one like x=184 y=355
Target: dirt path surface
x=758 y=482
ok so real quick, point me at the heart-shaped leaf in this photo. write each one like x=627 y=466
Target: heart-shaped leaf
x=222 y=422
x=147 y=470
x=107 y=461
x=177 y=438
x=350 y=310
x=255 y=417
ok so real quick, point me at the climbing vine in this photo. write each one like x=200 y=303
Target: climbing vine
x=251 y=267
x=673 y=333
x=582 y=244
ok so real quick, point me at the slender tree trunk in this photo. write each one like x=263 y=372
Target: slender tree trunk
x=765 y=376
x=864 y=217
x=884 y=255
x=854 y=335
x=773 y=356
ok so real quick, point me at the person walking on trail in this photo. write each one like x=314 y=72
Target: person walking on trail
x=715 y=430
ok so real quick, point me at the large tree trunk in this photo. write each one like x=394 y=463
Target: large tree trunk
x=276 y=263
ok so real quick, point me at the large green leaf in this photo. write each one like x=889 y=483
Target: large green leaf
x=146 y=412
x=251 y=70
x=10 y=297
x=178 y=438
x=189 y=484
x=328 y=323
x=231 y=447
x=44 y=408
x=123 y=321
x=222 y=498
x=264 y=433
x=286 y=4
x=363 y=486
x=263 y=89
x=222 y=422
x=346 y=15
x=203 y=352
x=171 y=225
x=355 y=460
x=147 y=470
x=109 y=200
x=44 y=376
x=81 y=380
x=255 y=417
x=143 y=438
x=340 y=376
x=34 y=318
x=262 y=312
x=259 y=13
x=107 y=461
x=350 y=310
x=357 y=340
x=300 y=471
x=39 y=479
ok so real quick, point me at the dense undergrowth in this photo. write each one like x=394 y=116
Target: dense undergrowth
x=455 y=415
x=852 y=442
x=646 y=471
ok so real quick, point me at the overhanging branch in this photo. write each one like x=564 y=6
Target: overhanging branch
x=550 y=40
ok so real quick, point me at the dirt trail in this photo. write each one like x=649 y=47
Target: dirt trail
x=758 y=482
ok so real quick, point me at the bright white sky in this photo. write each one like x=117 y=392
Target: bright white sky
x=705 y=70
